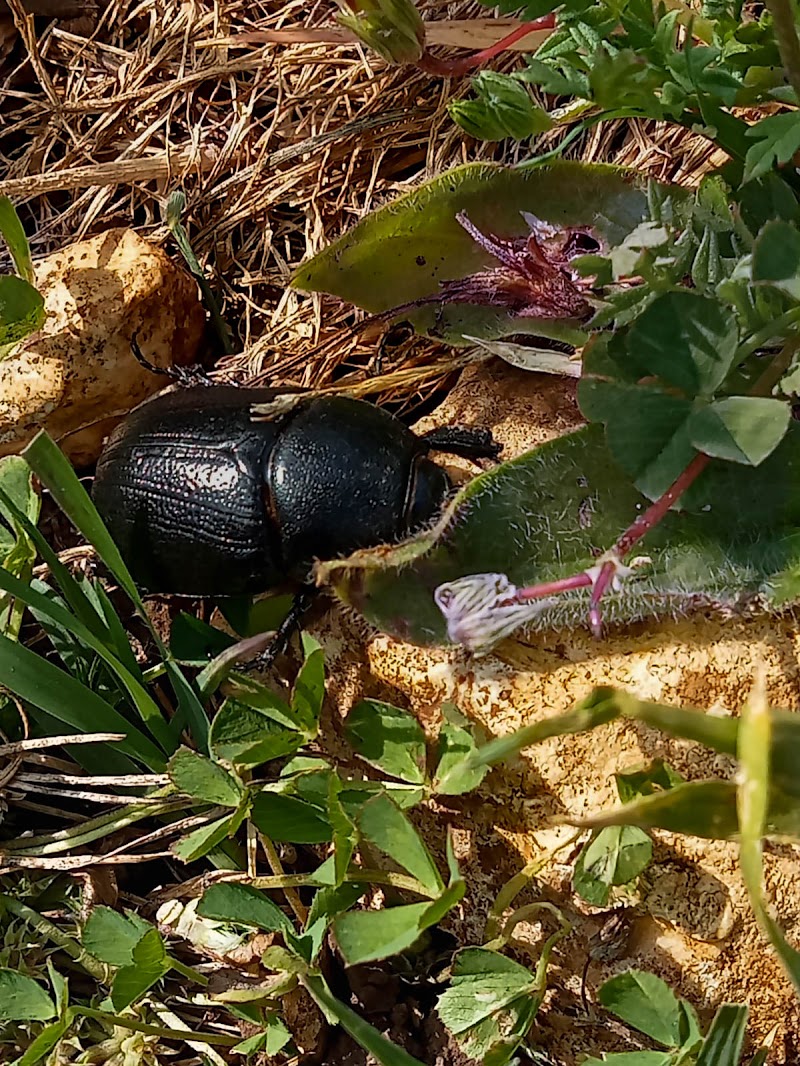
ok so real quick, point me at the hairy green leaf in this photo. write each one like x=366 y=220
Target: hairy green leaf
x=402 y=252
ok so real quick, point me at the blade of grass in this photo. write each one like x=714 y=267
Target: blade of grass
x=753 y=802
x=144 y=703
x=99 y=757
x=172 y=217
x=73 y=593
x=55 y=472
x=14 y=236
x=373 y=1042
x=38 y=682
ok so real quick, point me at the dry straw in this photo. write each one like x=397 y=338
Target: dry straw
x=279 y=148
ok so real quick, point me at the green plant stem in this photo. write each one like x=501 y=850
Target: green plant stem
x=188 y=971
x=522 y=914
x=358 y=877
x=91 y=965
x=292 y=898
x=776 y=369
x=765 y=335
x=783 y=23
x=512 y=888
x=157 y=1030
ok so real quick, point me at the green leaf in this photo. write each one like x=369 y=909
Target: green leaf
x=149 y=965
x=191 y=640
x=402 y=252
x=364 y=936
x=645 y=1002
x=454 y=773
x=776 y=258
x=259 y=697
x=327 y=904
x=22 y=999
x=489 y=1005
x=388 y=738
x=13 y=234
x=203 y=779
x=270 y=1041
x=201 y=841
x=767 y=199
x=688 y=341
x=634 y=1058
x=646 y=429
x=382 y=1050
x=503 y=108
x=243 y=905
x=725 y=1039
x=741 y=429
x=657 y=777
x=384 y=825
x=60 y=987
x=777 y=139
x=309 y=687
x=248 y=737
x=21 y=311
x=615 y=856
x=290 y=820
x=47 y=1039
x=539 y=518
x=111 y=936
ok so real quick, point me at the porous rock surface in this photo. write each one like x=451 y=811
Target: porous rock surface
x=77 y=376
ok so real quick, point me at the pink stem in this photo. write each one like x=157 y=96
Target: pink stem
x=654 y=514
x=552 y=588
x=453 y=67
x=600 y=586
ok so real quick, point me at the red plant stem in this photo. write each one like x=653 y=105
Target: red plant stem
x=656 y=511
x=453 y=67
x=600 y=586
x=553 y=588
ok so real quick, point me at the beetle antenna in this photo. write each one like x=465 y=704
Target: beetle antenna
x=142 y=359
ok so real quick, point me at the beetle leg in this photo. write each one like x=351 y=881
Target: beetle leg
x=302 y=601
x=470 y=442
x=182 y=375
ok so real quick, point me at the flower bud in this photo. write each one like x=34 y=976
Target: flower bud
x=392 y=28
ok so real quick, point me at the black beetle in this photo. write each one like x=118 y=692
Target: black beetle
x=203 y=499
